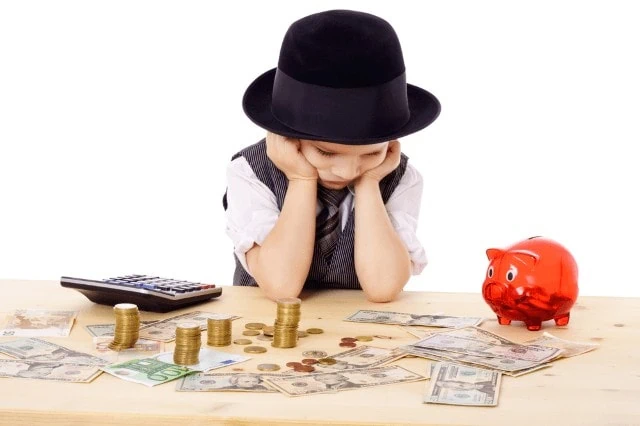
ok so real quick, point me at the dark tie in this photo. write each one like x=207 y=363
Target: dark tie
x=328 y=221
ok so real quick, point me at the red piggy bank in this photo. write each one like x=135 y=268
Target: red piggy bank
x=534 y=280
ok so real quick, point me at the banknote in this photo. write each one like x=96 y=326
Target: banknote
x=342 y=381
x=361 y=357
x=226 y=382
x=458 y=384
x=33 y=349
x=417 y=331
x=147 y=371
x=98 y=330
x=431 y=320
x=490 y=345
x=48 y=370
x=568 y=347
x=512 y=367
x=39 y=323
x=165 y=330
x=209 y=359
x=101 y=344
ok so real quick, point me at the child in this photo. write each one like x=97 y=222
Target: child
x=333 y=110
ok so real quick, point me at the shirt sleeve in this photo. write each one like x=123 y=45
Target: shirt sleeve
x=403 y=208
x=252 y=209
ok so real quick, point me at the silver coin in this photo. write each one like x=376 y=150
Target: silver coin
x=314 y=354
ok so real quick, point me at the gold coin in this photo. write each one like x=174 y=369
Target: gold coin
x=255 y=326
x=268 y=367
x=302 y=333
x=315 y=330
x=251 y=332
x=327 y=361
x=242 y=342
x=268 y=331
x=264 y=338
x=364 y=338
x=255 y=349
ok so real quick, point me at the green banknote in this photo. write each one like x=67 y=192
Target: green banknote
x=147 y=371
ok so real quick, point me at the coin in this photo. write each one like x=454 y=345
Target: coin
x=292 y=364
x=309 y=361
x=327 y=361
x=255 y=326
x=264 y=338
x=304 y=368
x=302 y=333
x=347 y=344
x=255 y=349
x=349 y=339
x=314 y=354
x=364 y=338
x=250 y=333
x=268 y=331
x=315 y=330
x=268 y=367
x=242 y=342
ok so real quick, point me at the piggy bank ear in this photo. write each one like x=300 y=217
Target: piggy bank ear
x=492 y=253
x=527 y=257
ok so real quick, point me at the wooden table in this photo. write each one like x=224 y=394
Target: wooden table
x=600 y=387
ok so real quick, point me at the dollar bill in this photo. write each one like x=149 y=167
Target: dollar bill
x=101 y=344
x=209 y=359
x=37 y=350
x=362 y=357
x=489 y=346
x=512 y=367
x=417 y=331
x=147 y=371
x=59 y=372
x=165 y=330
x=97 y=330
x=385 y=317
x=39 y=323
x=342 y=381
x=568 y=347
x=226 y=382
x=458 y=384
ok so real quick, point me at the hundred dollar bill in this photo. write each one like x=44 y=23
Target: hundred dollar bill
x=342 y=381
x=39 y=323
x=385 y=317
x=362 y=357
x=462 y=385
x=208 y=359
x=33 y=349
x=165 y=330
x=225 y=382
x=78 y=373
x=98 y=330
x=568 y=347
x=147 y=371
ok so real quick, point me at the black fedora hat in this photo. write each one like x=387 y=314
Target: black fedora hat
x=340 y=78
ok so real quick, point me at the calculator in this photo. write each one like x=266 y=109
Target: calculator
x=149 y=293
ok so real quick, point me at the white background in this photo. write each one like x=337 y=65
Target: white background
x=118 y=119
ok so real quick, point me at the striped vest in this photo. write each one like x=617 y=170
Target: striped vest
x=340 y=272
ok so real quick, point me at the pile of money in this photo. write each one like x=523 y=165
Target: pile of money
x=481 y=348
x=457 y=384
x=188 y=343
x=127 y=326
x=285 y=328
x=218 y=332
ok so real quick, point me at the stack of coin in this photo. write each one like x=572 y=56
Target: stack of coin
x=218 y=332
x=127 y=326
x=187 y=343
x=285 y=328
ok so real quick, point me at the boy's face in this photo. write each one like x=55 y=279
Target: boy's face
x=338 y=165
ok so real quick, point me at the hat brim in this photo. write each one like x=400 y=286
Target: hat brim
x=423 y=106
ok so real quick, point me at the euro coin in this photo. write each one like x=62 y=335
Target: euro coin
x=255 y=326
x=250 y=333
x=315 y=330
x=364 y=338
x=255 y=349
x=268 y=367
x=327 y=361
x=242 y=342
x=314 y=354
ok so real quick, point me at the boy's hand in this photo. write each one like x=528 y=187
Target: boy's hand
x=285 y=154
x=390 y=163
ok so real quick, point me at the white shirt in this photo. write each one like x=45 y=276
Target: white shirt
x=252 y=211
